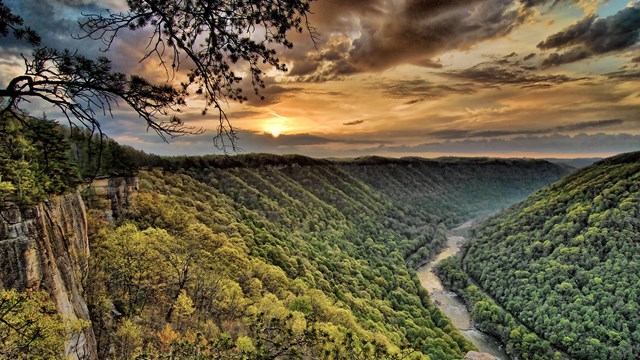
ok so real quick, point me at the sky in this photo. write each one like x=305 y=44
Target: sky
x=524 y=78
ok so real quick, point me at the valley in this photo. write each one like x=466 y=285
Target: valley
x=304 y=179
x=265 y=256
x=450 y=303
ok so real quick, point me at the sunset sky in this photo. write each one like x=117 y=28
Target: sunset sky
x=415 y=77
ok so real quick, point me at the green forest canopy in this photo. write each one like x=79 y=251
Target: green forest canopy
x=258 y=255
x=566 y=261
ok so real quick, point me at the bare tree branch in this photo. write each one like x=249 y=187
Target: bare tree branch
x=215 y=37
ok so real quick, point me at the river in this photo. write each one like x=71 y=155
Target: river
x=450 y=304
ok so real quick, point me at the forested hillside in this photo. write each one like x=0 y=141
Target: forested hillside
x=566 y=262
x=265 y=263
x=455 y=188
x=265 y=256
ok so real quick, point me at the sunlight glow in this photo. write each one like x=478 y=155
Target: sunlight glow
x=275 y=126
x=274 y=131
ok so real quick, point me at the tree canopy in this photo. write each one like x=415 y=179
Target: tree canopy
x=566 y=261
x=212 y=39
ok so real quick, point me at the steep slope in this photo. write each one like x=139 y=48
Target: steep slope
x=45 y=247
x=313 y=260
x=566 y=261
x=454 y=189
x=308 y=241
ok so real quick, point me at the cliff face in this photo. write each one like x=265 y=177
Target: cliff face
x=110 y=194
x=45 y=246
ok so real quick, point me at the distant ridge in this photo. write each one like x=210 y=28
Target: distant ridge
x=621 y=159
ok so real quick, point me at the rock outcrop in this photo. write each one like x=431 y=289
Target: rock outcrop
x=110 y=194
x=45 y=246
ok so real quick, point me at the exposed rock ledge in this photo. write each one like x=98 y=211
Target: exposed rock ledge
x=45 y=246
x=110 y=194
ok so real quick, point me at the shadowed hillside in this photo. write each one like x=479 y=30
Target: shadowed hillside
x=455 y=189
x=565 y=261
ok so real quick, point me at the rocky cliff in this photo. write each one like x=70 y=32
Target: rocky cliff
x=45 y=246
x=110 y=195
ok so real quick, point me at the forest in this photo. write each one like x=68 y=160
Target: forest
x=565 y=261
x=265 y=256
x=261 y=256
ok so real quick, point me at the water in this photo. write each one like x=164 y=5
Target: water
x=450 y=304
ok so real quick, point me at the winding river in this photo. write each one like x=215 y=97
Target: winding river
x=450 y=304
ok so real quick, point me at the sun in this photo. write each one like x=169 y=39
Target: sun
x=275 y=127
x=274 y=131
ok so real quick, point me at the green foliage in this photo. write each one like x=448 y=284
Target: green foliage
x=264 y=256
x=101 y=156
x=489 y=317
x=34 y=160
x=30 y=326
x=454 y=189
x=566 y=261
x=259 y=262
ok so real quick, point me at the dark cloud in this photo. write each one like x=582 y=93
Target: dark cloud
x=594 y=36
x=624 y=75
x=454 y=134
x=451 y=134
x=303 y=67
x=551 y=144
x=505 y=72
x=421 y=89
x=572 y=55
x=355 y=122
x=55 y=21
x=421 y=29
x=588 y=125
x=271 y=94
x=414 y=101
x=243 y=114
x=394 y=33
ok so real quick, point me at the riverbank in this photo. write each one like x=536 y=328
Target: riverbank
x=450 y=303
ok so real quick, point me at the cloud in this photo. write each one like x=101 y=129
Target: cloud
x=375 y=35
x=507 y=72
x=593 y=36
x=291 y=140
x=55 y=21
x=421 y=29
x=355 y=122
x=551 y=144
x=624 y=75
x=272 y=93
x=454 y=134
x=239 y=114
x=421 y=89
x=588 y=125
